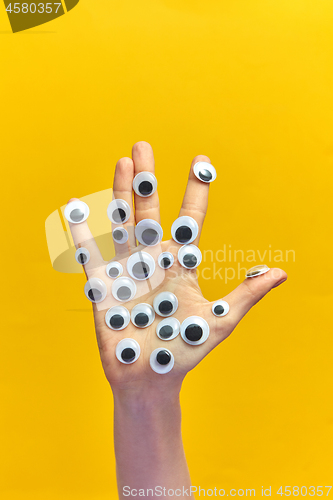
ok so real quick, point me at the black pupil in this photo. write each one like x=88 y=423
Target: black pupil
x=113 y=272
x=124 y=293
x=193 y=333
x=82 y=258
x=128 y=354
x=183 y=234
x=141 y=319
x=117 y=321
x=163 y=357
x=145 y=187
x=149 y=236
x=219 y=309
x=117 y=235
x=77 y=215
x=119 y=215
x=165 y=307
x=205 y=175
x=94 y=294
x=141 y=270
x=166 y=332
x=190 y=260
x=165 y=262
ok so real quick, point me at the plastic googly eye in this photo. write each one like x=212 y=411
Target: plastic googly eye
x=148 y=232
x=127 y=351
x=189 y=256
x=257 y=271
x=184 y=230
x=117 y=318
x=118 y=211
x=194 y=330
x=120 y=235
x=220 y=308
x=140 y=266
x=82 y=256
x=142 y=315
x=165 y=260
x=204 y=171
x=168 y=329
x=145 y=184
x=161 y=361
x=76 y=211
x=95 y=290
x=165 y=304
x=114 y=270
x=123 y=289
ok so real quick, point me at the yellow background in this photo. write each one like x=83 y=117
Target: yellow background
x=247 y=82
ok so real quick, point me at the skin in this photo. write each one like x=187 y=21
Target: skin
x=147 y=417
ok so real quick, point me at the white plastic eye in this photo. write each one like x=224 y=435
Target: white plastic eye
x=194 y=330
x=189 y=256
x=162 y=361
x=168 y=328
x=145 y=184
x=204 y=171
x=220 y=308
x=165 y=304
x=257 y=271
x=184 y=230
x=82 y=256
x=142 y=315
x=117 y=318
x=76 y=211
x=123 y=289
x=120 y=235
x=165 y=260
x=127 y=351
x=140 y=265
x=148 y=232
x=95 y=290
x=119 y=211
x=114 y=270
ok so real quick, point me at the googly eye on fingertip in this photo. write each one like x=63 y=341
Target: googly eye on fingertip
x=127 y=351
x=140 y=266
x=114 y=269
x=148 y=232
x=162 y=361
x=184 y=230
x=165 y=260
x=144 y=184
x=194 y=330
x=123 y=289
x=165 y=304
x=76 y=211
x=82 y=256
x=142 y=315
x=220 y=308
x=95 y=290
x=168 y=329
x=204 y=171
x=117 y=318
x=189 y=256
x=257 y=271
x=120 y=235
x=119 y=211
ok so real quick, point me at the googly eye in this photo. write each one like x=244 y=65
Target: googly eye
x=162 y=361
x=117 y=318
x=220 y=308
x=114 y=270
x=82 y=256
x=127 y=351
x=184 y=230
x=142 y=315
x=95 y=290
x=118 y=211
x=168 y=329
x=165 y=260
x=140 y=266
x=145 y=184
x=257 y=271
x=123 y=289
x=165 y=304
x=189 y=256
x=194 y=330
x=76 y=211
x=204 y=171
x=148 y=232
x=120 y=235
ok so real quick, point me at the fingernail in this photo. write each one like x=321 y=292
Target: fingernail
x=280 y=282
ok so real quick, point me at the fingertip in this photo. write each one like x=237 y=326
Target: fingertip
x=72 y=199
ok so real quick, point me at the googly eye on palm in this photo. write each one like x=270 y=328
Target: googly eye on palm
x=150 y=315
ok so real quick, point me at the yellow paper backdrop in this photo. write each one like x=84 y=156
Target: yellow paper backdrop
x=247 y=82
